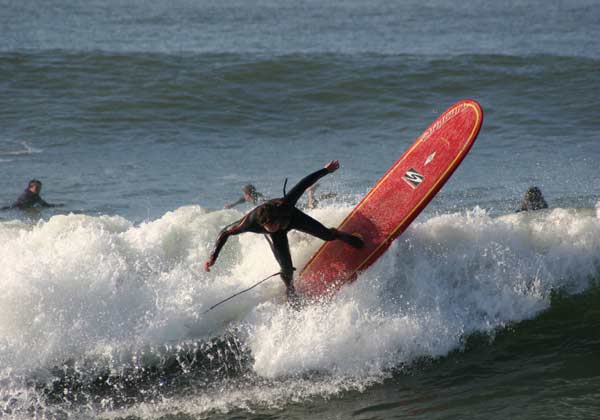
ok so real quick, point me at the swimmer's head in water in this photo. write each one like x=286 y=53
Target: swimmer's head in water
x=534 y=199
x=35 y=185
x=250 y=193
x=249 y=189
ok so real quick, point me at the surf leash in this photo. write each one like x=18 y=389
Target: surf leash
x=239 y=293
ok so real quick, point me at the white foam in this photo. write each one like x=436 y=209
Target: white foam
x=80 y=286
x=448 y=276
x=78 y=282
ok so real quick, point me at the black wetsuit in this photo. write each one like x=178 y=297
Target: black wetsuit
x=28 y=200
x=290 y=218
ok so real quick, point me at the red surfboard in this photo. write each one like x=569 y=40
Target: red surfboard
x=395 y=200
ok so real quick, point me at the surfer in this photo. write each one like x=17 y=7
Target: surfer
x=31 y=198
x=312 y=200
x=275 y=218
x=533 y=200
x=249 y=195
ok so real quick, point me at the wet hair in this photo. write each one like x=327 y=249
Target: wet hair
x=267 y=213
x=249 y=189
x=34 y=182
x=533 y=199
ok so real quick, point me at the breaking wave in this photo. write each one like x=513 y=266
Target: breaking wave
x=104 y=315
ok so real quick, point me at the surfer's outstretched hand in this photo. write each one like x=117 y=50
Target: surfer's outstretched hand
x=208 y=263
x=332 y=166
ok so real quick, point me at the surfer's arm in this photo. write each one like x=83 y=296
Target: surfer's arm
x=240 y=201
x=17 y=204
x=44 y=203
x=241 y=226
x=295 y=193
x=23 y=201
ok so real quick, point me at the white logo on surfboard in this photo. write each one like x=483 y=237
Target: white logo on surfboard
x=413 y=178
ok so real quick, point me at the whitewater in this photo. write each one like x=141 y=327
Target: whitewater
x=101 y=295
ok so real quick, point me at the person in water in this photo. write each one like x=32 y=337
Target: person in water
x=250 y=195
x=313 y=201
x=30 y=198
x=275 y=218
x=533 y=200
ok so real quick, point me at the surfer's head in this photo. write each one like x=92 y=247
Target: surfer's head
x=269 y=216
x=35 y=186
x=533 y=199
x=249 y=192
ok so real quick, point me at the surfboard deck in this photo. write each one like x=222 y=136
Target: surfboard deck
x=395 y=200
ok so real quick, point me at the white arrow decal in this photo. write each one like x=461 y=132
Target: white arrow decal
x=429 y=159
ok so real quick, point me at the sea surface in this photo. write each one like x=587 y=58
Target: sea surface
x=144 y=118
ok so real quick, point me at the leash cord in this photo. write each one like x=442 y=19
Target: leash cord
x=239 y=293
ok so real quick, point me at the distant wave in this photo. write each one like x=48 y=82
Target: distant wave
x=321 y=91
x=350 y=27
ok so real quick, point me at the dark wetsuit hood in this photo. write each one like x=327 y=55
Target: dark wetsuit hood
x=533 y=200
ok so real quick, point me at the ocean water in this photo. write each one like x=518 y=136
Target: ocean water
x=145 y=118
